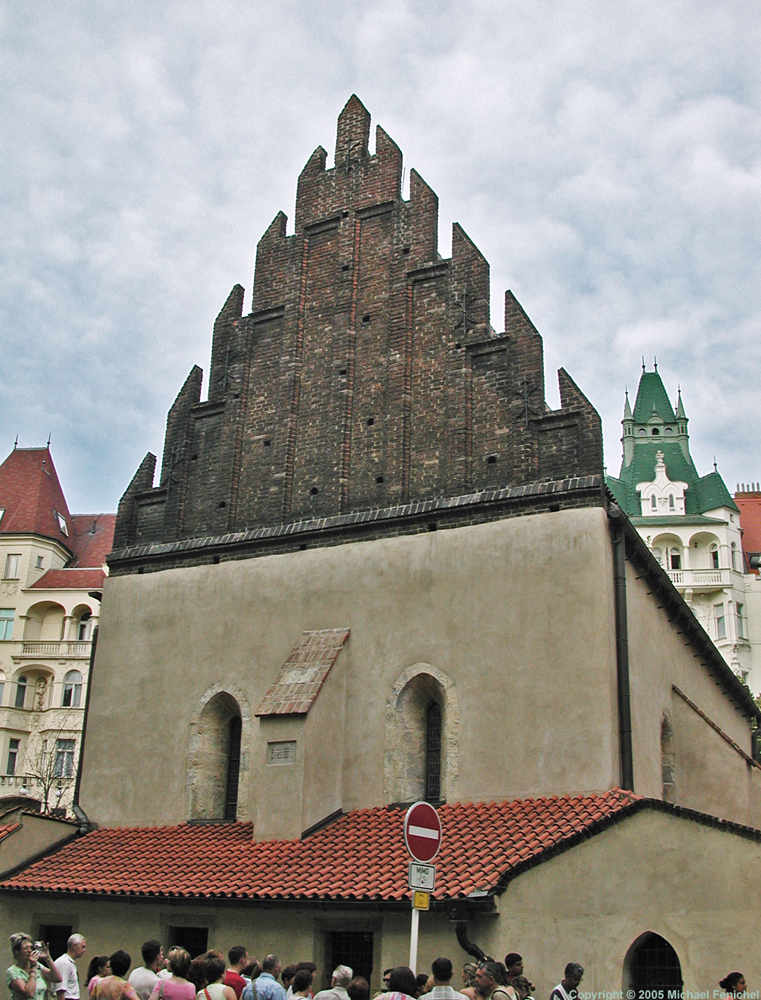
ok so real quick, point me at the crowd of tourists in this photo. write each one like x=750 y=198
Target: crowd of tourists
x=35 y=976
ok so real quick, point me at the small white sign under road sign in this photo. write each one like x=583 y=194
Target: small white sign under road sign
x=422 y=876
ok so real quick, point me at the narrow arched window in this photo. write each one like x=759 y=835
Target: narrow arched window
x=72 y=689
x=84 y=627
x=20 y=692
x=433 y=752
x=675 y=558
x=667 y=761
x=714 y=553
x=233 y=768
x=734 y=555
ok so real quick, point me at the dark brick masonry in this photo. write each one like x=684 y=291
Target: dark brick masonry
x=367 y=375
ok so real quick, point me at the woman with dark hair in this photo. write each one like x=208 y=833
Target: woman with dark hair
x=402 y=983
x=32 y=970
x=115 y=986
x=214 y=970
x=176 y=985
x=734 y=984
x=98 y=968
x=195 y=974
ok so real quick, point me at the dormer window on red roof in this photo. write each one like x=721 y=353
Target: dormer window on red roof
x=62 y=523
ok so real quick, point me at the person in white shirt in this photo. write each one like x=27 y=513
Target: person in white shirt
x=68 y=988
x=144 y=979
x=568 y=987
x=442 y=982
x=341 y=978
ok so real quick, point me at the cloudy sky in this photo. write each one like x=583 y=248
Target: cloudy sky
x=605 y=156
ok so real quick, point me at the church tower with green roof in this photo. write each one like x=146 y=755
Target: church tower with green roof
x=690 y=522
x=653 y=428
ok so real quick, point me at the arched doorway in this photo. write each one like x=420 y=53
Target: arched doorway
x=651 y=964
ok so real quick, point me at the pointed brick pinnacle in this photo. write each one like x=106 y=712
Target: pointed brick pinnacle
x=352 y=131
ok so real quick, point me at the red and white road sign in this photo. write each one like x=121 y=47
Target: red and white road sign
x=422 y=832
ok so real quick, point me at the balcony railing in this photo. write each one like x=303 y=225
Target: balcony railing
x=67 y=647
x=709 y=578
x=18 y=781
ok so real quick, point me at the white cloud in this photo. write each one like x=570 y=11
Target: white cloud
x=605 y=157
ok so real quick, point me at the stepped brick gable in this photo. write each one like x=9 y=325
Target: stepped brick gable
x=366 y=376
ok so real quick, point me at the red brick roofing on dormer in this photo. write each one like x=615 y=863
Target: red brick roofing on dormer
x=304 y=672
x=750 y=521
x=31 y=495
x=360 y=856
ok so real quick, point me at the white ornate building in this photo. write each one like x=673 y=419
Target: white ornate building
x=690 y=522
x=53 y=567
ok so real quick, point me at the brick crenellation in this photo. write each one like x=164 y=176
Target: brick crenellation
x=367 y=374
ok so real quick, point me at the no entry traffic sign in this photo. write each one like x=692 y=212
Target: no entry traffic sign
x=422 y=831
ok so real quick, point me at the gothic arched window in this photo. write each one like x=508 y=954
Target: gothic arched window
x=433 y=752
x=233 y=768
x=215 y=760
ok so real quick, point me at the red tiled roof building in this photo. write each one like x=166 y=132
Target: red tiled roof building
x=375 y=567
x=53 y=566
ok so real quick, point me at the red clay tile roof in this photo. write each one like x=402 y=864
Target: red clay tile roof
x=360 y=856
x=7 y=829
x=304 y=672
x=93 y=538
x=750 y=521
x=70 y=579
x=31 y=494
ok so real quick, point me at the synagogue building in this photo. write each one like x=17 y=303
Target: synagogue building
x=375 y=567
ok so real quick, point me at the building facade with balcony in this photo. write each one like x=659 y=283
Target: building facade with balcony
x=52 y=565
x=748 y=499
x=690 y=522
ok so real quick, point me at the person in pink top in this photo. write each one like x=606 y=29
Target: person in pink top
x=115 y=986
x=176 y=986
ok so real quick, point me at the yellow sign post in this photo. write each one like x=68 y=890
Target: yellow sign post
x=421 y=900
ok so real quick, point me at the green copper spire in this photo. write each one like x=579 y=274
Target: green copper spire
x=652 y=398
x=656 y=443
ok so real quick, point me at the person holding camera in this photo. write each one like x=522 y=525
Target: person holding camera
x=32 y=971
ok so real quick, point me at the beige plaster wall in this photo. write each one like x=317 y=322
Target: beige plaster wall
x=652 y=872
x=517 y=613
x=709 y=775
x=37 y=834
